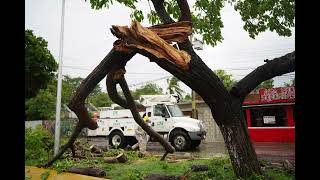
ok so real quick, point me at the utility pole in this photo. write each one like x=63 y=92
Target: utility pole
x=193 y=93
x=58 y=105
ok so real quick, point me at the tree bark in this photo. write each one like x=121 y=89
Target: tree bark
x=90 y=171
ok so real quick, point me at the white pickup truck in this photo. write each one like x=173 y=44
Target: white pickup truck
x=166 y=119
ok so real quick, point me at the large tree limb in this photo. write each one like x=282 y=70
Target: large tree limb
x=117 y=77
x=161 y=11
x=272 y=68
x=111 y=83
x=185 y=10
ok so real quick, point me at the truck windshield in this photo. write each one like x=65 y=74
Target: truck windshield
x=175 y=111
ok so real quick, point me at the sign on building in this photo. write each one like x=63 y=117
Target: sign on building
x=269 y=119
x=277 y=94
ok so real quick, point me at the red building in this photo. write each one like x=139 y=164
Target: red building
x=270 y=115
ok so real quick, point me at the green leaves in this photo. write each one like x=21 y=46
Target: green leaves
x=148 y=89
x=101 y=99
x=137 y=15
x=153 y=18
x=226 y=79
x=39 y=64
x=42 y=106
x=265 y=84
x=174 y=87
x=207 y=20
x=259 y=16
x=99 y=4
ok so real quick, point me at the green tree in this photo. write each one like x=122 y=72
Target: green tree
x=42 y=106
x=226 y=106
x=265 y=84
x=258 y=16
x=187 y=98
x=148 y=89
x=39 y=64
x=101 y=99
x=174 y=87
x=226 y=79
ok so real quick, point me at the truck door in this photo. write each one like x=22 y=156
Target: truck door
x=160 y=118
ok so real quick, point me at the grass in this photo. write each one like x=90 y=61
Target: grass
x=138 y=165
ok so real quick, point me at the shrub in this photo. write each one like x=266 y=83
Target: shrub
x=38 y=144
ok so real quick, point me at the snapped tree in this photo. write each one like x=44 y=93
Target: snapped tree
x=154 y=43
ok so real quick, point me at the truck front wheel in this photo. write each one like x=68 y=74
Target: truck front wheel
x=180 y=140
x=116 y=139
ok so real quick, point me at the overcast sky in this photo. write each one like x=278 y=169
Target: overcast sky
x=87 y=39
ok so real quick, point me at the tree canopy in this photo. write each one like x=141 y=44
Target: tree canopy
x=40 y=65
x=258 y=16
x=148 y=89
x=43 y=104
x=174 y=87
x=226 y=78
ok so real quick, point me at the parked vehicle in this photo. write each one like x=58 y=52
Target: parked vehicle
x=166 y=119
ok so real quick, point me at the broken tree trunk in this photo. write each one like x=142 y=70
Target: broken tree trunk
x=90 y=171
x=138 y=37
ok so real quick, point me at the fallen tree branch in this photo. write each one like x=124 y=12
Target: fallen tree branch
x=90 y=171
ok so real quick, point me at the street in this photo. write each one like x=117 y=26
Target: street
x=270 y=151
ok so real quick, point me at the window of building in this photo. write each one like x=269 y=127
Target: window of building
x=268 y=117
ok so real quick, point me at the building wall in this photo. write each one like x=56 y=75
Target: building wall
x=204 y=114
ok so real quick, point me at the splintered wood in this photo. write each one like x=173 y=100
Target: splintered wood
x=156 y=40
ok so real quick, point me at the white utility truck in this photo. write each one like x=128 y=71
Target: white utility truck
x=118 y=126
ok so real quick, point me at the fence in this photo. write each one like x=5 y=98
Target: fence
x=66 y=126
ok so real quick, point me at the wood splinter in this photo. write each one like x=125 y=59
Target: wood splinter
x=156 y=40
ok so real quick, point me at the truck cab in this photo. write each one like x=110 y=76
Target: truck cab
x=182 y=132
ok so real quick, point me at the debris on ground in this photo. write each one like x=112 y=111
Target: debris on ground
x=89 y=171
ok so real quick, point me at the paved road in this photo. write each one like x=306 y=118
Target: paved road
x=274 y=152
